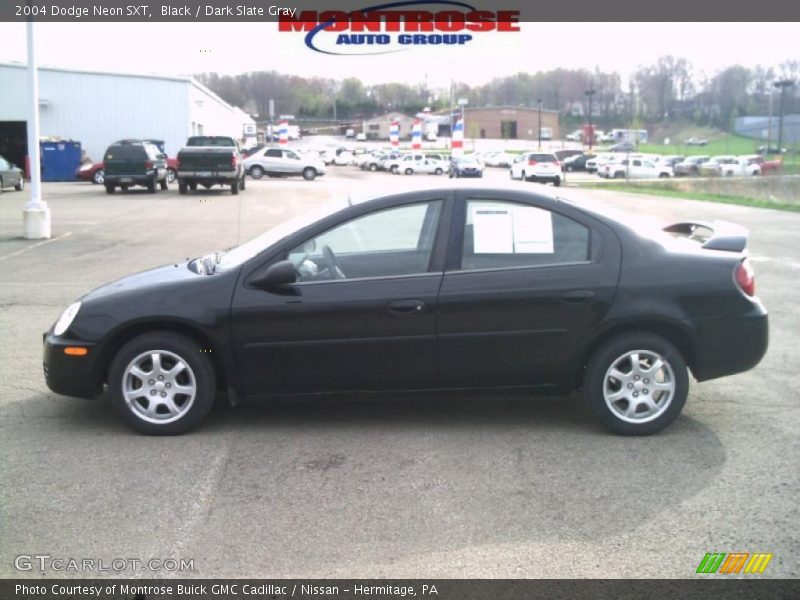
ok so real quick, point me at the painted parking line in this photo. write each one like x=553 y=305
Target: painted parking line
x=36 y=245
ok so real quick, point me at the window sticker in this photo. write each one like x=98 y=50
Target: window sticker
x=499 y=229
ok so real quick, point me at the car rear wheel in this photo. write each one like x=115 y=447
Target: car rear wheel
x=438 y=172
x=373 y=167
x=161 y=384
x=110 y=189
x=235 y=187
x=171 y=175
x=182 y=187
x=163 y=184
x=637 y=383
x=409 y=171
x=242 y=184
x=99 y=177
x=309 y=173
x=557 y=181
x=256 y=172
x=151 y=186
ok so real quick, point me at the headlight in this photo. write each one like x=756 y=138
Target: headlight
x=66 y=318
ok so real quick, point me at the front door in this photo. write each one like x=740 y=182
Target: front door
x=362 y=315
x=524 y=284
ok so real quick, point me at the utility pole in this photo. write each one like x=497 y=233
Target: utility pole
x=539 y=102
x=590 y=92
x=36 y=215
x=769 y=125
x=781 y=85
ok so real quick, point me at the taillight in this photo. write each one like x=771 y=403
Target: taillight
x=531 y=163
x=148 y=164
x=233 y=161
x=178 y=163
x=745 y=277
x=558 y=163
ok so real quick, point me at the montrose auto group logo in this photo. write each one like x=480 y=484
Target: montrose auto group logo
x=396 y=26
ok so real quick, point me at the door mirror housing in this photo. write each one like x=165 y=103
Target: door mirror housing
x=278 y=275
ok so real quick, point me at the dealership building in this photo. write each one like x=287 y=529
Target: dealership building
x=98 y=108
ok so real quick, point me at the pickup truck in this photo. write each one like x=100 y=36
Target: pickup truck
x=767 y=166
x=210 y=160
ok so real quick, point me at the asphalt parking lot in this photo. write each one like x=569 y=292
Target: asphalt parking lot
x=479 y=486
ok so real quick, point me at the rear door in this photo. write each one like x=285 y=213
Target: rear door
x=272 y=160
x=524 y=283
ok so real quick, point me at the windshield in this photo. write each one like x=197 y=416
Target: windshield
x=241 y=254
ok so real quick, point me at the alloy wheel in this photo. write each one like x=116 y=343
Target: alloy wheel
x=639 y=386
x=159 y=386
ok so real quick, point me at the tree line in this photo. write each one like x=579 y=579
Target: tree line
x=668 y=90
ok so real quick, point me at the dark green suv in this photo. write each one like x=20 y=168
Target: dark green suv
x=134 y=162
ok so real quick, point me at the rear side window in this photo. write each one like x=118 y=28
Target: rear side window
x=501 y=234
x=126 y=152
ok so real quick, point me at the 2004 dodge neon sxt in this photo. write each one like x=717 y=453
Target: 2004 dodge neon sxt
x=447 y=288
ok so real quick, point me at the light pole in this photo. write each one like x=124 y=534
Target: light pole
x=781 y=85
x=539 y=102
x=36 y=215
x=590 y=92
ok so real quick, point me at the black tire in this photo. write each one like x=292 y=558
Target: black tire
x=193 y=187
x=394 y=169
x=190 y=353
x=151 y=186
x=182 y=188
x=163 y=184
x=110 y=189
x=1 y=185
x=608 y=354
x=242 y=184
x=557 y=181
x=21 y=185
x=409 y=171
x=619 y=175
x=438 y=172
x=172 y=175
x=373 y=167
x=663 y=175
x=256 y=172
x=99 y=177
x=568 y=168
x=235 y=187
x=309 y=173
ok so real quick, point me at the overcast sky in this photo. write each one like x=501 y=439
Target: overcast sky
x=233 y=48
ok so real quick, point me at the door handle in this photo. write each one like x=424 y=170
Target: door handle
x=406 y=307
x=577 y=297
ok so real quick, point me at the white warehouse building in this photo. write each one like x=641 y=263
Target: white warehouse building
x=99 y=108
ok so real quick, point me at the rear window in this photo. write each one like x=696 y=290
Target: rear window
x=542 y=157
x=126 y=152
x=203 y=140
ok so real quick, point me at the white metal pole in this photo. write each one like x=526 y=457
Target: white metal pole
x=36 y=216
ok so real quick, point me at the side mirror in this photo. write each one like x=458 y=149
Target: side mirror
x=277 y=275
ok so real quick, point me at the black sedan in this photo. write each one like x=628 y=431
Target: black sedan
x=446 y=288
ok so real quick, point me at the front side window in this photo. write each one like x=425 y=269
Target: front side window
x=391 y=242
x=273 y=153
x=502 y=234
x=290 y=154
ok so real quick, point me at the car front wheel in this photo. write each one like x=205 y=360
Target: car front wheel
x=20 y=185
x=99 y=176
x=161 y=384
x=637 y=383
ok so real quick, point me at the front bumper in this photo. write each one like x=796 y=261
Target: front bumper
x=70 y=375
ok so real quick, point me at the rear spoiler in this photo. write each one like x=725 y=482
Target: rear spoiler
x=713 y=235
